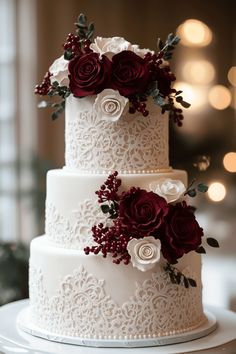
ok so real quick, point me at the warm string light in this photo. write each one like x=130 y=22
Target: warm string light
x=219 y=97
x=194 y=33
x=216 y=191
x=229 y=161
x=199 y=72
x=232 y=75
x=233 y=94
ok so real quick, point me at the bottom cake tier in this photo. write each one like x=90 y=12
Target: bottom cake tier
x=72 y=294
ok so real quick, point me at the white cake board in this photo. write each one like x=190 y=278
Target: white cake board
x=14 y=340
x=24 y=323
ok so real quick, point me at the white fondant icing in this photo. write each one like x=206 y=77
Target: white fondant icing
x=72 y=207
x=133 y=142
x=91 y=297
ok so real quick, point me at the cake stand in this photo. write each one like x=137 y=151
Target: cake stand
x=14 y=340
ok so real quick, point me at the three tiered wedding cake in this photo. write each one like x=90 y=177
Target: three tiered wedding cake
x=117 y=263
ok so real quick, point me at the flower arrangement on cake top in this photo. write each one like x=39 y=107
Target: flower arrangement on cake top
x=121 y=74
x=149 y=223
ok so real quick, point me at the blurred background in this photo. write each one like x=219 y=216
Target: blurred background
x=31 y=37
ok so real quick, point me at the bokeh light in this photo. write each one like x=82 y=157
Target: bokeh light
x=232 y=75
x=233 y=94
x=192 y=94
x=199 y=72
x=194 y=33
x=219 y=97
x=229 y=161
x=216 y=191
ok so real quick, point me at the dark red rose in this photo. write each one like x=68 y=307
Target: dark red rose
x=181 y=233
x=142 y=212
x=130 y=74
x=89 y=74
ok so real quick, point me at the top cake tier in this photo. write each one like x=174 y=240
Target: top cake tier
x=132 y=144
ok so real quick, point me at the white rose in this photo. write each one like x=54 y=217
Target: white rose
x=140 y=52
x=59 y=71
x=145 y=252
x=109 y=46
x=168 y=188
x=110 y=105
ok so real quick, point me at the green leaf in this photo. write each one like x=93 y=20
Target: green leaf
x=178 y=92
x=67 y=94
x=167 y=56
x=105 y=208
x=151 y=88
x=55 y=84
x=55 y=115
x=169 y=46
x=90 y=35
x=185 y=104
x=172 y=39
x=201 y=187
x=172 y=278
x=82 y=19
x=192 y=192
x=192 y=282
x=212 y=242
x=179 y=99
x=201 y=250
x=160 y=44
x=91 y=27
x=186 y=282
x=178 y=277
x=68 y=54
x=159 y=100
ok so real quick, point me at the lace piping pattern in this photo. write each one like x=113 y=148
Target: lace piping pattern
x=81 y=307
x=74 y=231
x=133 y=143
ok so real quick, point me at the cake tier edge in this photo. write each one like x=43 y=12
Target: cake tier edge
x=72 y=206
x=85 y=296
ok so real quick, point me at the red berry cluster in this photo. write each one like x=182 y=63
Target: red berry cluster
x=45 y=86
x=111 y=240
x=177 y=116
x=74 y=44
x=108 y=190
x=138 y=104
x=154 y=60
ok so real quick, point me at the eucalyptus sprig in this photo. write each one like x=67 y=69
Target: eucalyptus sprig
x=193 y=188
x=177 y=277
x=154 y=92
x=84 y=29
x=56 y=90
x=167 y=49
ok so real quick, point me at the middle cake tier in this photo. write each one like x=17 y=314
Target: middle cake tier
x=72 y=206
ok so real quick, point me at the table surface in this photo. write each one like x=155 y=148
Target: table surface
x=13 y=340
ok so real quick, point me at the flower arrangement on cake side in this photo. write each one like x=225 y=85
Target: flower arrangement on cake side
x=120 y=74
x=149 y=224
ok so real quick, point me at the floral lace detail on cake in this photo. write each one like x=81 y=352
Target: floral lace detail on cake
x=133 y=143
x=74 y=231
x=81 y=307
